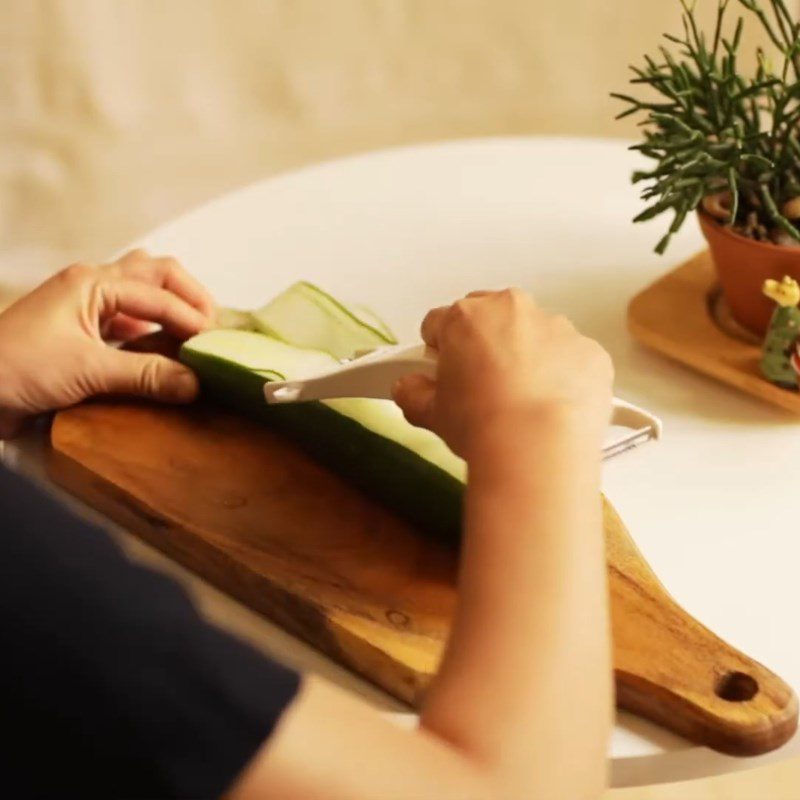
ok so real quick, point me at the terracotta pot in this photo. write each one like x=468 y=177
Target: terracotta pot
x=742 y=266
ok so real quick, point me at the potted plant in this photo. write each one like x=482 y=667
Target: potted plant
x=727 y=146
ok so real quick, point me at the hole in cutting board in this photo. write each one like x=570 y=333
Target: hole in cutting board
x=736 y=687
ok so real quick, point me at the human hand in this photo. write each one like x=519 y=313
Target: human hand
x=503 y=359
x=53 y=341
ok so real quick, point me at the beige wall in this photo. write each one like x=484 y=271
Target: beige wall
x=117 y=114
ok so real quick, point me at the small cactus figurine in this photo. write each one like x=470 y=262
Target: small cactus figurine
x=783 y=335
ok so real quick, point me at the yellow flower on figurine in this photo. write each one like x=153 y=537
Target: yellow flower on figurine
x=785 y=293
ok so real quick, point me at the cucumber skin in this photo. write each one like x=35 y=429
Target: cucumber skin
x=419 y=492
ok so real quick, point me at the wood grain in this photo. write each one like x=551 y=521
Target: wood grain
x=673 y=317
x=250 y=513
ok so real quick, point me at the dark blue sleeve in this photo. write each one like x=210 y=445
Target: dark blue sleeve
x=112 y=685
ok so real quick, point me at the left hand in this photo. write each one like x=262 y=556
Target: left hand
x=53 y=341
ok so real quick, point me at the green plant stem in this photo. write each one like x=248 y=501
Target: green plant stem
x=775 y=215
x=711 y=128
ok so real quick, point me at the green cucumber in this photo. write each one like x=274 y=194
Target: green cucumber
x=368 y=442
x=305 y=316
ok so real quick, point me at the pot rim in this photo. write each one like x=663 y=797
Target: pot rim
x=706 y=220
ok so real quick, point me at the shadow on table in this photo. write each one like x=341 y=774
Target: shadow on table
x=652 y=733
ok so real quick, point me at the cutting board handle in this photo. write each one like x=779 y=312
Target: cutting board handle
x=674 y=671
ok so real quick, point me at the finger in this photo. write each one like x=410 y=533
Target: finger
x=415 y=395
x=177 y=279
x=133 y=256
x=432 y=325
x=122 y=328
x=434 y=320
x=150 y=303
x=167 y=273
x=146 y=375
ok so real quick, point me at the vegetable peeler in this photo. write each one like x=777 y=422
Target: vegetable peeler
x=372 y=374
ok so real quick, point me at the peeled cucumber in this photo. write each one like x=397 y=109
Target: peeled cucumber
x=368 y=442
x=305 y=316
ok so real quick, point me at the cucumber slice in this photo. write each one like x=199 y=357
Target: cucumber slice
x=233 y=318
x=368 y=442
x=370 y=317
x=305 y=316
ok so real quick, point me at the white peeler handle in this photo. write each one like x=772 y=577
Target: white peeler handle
x=374 y=374
x=627 y=415
x=370 y=375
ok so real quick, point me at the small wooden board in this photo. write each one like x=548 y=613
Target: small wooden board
x=263 y=522
x=682 y=316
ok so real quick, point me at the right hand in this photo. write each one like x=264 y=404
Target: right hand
x=503 y=359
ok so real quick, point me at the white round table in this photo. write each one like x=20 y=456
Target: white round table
x=711 y=506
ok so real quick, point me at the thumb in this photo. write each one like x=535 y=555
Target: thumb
x=148 y=375
x=415 y=395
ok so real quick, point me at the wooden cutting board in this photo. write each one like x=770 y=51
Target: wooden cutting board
x=263 y=522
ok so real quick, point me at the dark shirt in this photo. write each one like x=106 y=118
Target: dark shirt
x=112 y=685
